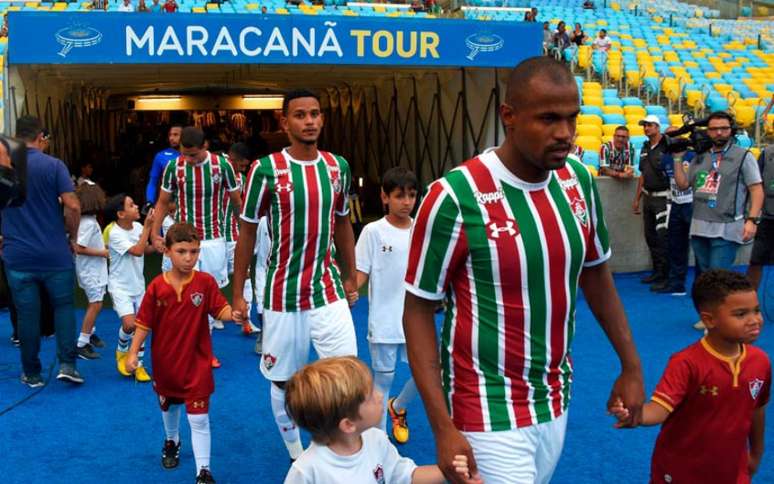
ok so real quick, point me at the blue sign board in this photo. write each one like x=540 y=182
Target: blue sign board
x=145 y=38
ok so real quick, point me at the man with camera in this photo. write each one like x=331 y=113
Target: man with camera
x=653 y=188
x=723 y=177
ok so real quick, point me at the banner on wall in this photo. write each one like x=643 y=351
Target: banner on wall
x=180 y=38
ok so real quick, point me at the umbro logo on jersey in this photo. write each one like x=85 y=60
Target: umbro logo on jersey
x=755 y=387
x=506 y=229
x=489 y=197
x=284 y=187
x=197 y=298
x=386 y=248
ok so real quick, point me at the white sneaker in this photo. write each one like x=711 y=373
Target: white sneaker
x=217 y=324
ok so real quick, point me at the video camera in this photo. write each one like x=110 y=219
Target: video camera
x=698 y=140
x=13 y=180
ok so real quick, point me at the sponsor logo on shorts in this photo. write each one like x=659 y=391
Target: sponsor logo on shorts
x=269 y=361
x=197 y=298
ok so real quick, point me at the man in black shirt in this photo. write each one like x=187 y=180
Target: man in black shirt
x=653 y=187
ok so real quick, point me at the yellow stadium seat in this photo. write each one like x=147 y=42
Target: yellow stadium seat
x=633 y=118
x=589 y=119
x=593 y=101
x=612 y=110
x=745 y=115
x=350 y=13
x=213 y=7
x=608 y=129
x=592 y=85
x=694 y=98
x=379 y=9
x=606 y=138
x=589 y=143
x=589 y=130
x=633 y=79
x=252 y=6
x=635 y=129
x=282 y=11
x=634 y=110
x=675 y=119
x=198 y=10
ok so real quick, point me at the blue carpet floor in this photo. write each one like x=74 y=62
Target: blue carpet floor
x=109 y=430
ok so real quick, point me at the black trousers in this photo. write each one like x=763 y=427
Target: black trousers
x=654 y=215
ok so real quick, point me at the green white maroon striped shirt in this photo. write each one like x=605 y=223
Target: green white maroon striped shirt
x=300 y=199
x=231 y=215
x=507 y=254
x=200 y=190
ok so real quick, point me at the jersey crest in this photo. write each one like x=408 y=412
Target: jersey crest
x=197 y=298
x=755 y=387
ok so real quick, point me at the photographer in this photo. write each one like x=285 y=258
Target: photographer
x=653 y=187
x=722 y=178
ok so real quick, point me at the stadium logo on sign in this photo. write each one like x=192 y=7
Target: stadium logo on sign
x=77 y=36
x=483 y=42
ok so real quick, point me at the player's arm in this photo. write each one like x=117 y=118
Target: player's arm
x=362 y=278
x=132 y=361
x=599 y=290
x=157 y=168
x=756 y=438
x=638 y=195
x=236 y=200
x=162 y=207
x=344 y=238
x=243 y=254
x=433 y=474
x=422 y=348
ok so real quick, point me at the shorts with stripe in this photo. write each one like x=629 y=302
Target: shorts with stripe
x=212 y=260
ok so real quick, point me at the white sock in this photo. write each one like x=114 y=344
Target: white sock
x=248 y=295
x=171 y=420
x=83 y=339
x=93 y=330
x=200 y=440
x=383 y=381
x=287 y=427
x=408 y=394
x=123 y=340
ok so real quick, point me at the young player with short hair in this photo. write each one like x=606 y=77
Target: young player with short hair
x=175 y=309
x=90 y=266
x=381 y=257
x=712 y=396
x=127 y=245
x=336 y=400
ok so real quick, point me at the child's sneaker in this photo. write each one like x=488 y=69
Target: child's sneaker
x=170 y=454
x=120 y=359
x=218 y=324
x=215 y=362
x=96 y=341
x=400 y=430
x=141 y=375
x=205 y=477
x=86 y=352
x=69 y=373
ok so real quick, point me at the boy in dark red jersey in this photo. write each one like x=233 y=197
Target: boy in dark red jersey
x=713 y=394
x=175 y=308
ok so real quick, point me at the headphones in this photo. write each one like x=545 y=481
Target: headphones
x=725 y=115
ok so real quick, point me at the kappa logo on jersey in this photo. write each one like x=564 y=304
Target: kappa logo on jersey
x=386 y=248
x=197 y=298
x=755 y=387
x=284 y=187
x=489 y=197
x=379 y=474
x=269 y=361
x=507 y=229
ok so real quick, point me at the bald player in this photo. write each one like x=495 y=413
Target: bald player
x=507 y=238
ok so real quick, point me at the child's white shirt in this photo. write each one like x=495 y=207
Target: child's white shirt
x=126 y=270
x=382 y=253
x=91 y=270
x=377 y=462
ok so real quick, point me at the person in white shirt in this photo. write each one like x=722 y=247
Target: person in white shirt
x=127 y=245
x=90 y=266
x=336 y=400
x=381 y=257
x=126 y=6
x=602 y=42
x=169 y=220
x=262 y=247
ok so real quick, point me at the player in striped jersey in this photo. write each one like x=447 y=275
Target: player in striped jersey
x=506 y=239
x=199 y=181
x=303 y=191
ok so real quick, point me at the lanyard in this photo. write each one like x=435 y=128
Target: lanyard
x=717 y=157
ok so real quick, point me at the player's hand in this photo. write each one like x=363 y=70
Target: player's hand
x=629 y=389
x=636 y=207
x=239 y=309
x=149 y=217
x=752 y=463
x=158 y=243
x=131 y=362
x=461 y=467
x=749 y=231
x=350 y=289
x=619 y=411
x=451 y=447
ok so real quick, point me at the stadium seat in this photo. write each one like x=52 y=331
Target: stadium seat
x=589 y=130
x=608 y=109
x=635 y=130
x=589 y=143
x=589 y=119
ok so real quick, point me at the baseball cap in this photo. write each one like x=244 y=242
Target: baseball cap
x=651 y=118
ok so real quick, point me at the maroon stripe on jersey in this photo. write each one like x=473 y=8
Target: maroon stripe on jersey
x=217 y=209
x=330 y=286
x=312 y=189
x=198 y=200
x=420 y=227
x=465 y=394
x=557 y=261
x=574 y=192
x=509 y=263
x=285 y=240
x=181 y=205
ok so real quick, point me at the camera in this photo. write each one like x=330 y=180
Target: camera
x=13 y=186
x=697 y=141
